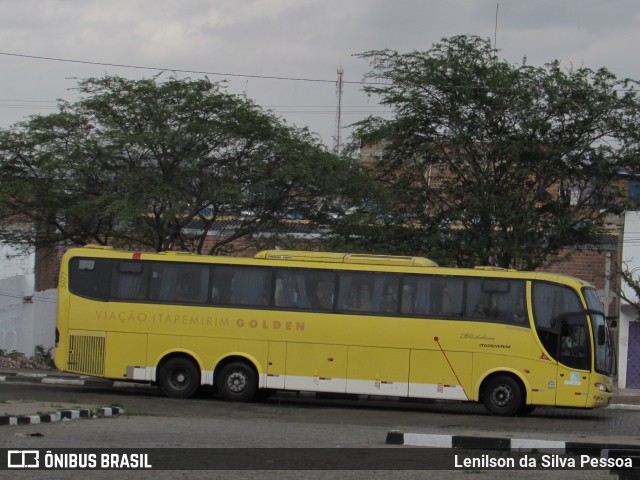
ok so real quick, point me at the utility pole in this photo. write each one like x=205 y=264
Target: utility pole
x=495 y=30
x=339 y=85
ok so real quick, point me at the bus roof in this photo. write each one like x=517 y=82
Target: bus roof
x=388 y=263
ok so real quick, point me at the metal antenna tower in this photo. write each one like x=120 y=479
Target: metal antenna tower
x=495 y=31
x=336 y=138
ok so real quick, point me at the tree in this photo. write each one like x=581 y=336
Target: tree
x=629 y=288
x=153 y=165
x=493 y=163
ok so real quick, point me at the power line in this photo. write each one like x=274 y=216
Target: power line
x=41 y=107
x=262 y=77
x=289 y=109
x=24 y=100
x=31 y=297
x=171 y=69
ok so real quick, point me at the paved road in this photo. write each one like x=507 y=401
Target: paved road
x=452 y=418
x=287 y=420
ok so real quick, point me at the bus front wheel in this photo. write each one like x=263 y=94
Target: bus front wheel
x=502 y=395
x=179 y=378
x=237 y=382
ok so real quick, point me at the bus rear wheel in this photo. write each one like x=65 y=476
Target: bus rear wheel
x=237 y=382
x=179 y=378
x=502 y=395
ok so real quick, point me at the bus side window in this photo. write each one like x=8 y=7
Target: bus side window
x=499 y=300
x=179 y=282
x=550 y=302
x=304 y=289
x=574 y=343
x=366 y=292
x=129 y=280
x=90 y=278
x=221 y=281
x=481 y=303
x=251 y=286
x=416 y=295
x=408 y=295
x=432 y=295
x=291 y=289
x=447 y=296
x=509 y=301
x=520 y=315
x=320 y=287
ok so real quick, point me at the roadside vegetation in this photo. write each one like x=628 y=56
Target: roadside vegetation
x=40 y=360
x=481 y=161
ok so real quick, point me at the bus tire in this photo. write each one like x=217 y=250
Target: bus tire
x=179 y=378
x=502 y=395
x=237 y=382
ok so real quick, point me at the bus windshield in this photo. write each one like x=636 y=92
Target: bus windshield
x=603 y=351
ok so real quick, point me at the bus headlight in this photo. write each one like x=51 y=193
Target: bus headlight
x=602 y=387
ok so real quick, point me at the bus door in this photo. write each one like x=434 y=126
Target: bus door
x=574 y=361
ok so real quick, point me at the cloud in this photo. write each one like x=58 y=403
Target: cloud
x=290 y=38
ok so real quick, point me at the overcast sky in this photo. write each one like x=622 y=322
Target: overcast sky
x=304 y=39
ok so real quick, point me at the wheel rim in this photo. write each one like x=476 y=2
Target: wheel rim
x=502 y=396
x=179 y=379
x=237 y=382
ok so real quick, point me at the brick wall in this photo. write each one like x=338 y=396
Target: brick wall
x=596 y=266
x=588 y=265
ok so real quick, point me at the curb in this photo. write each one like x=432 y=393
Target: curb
x=395 y=437
x=68 y=380
x=62 y=415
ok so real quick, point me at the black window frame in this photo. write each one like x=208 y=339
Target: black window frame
x=401 y=279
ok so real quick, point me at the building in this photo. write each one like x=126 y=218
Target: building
x=629 y=320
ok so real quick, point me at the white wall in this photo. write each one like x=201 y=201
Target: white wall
x=631 y=261
x=14 y=262
x=27 y=319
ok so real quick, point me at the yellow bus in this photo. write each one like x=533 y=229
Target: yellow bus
x=333 y=322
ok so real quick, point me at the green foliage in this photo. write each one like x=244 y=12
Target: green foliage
x=153 y=165
x=487 y=162
x=43 y=355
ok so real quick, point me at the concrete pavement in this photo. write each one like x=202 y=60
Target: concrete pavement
x=25 y=413
x=623 y=398
x=13 y=413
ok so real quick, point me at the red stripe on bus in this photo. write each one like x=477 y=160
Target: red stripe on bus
x=437 y=340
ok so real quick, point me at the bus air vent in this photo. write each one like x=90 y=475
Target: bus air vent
x=356 y=258
x=86 y=354
x=493 y=269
